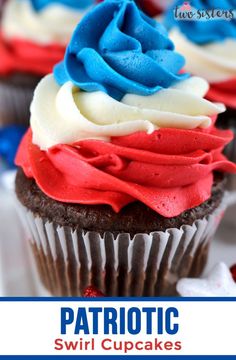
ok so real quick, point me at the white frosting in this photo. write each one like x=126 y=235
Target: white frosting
x=63 y=115
x=218 y=283
x=215 y=62
x=53 y=24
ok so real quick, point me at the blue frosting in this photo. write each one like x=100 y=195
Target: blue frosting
x=117 y=49
x=200 y=31
x=10 y=137
x=74 y=4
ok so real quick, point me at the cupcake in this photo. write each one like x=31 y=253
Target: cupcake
x=153 y=7
x=1 y=6
x=120 y=180
x=209 y=46
x=33 y=37
x=10 y=137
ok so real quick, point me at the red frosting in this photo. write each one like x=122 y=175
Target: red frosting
x=25 y=56
x=151 y=7
x=170 y=170
x=224 y=92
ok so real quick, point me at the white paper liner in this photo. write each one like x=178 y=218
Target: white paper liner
x=14 y=104
x=146 y=265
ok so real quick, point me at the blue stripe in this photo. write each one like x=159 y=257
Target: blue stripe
x=119 y=299
x=121 y=357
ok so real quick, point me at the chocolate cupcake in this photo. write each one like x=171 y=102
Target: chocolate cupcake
x=121 y=173
x=33 y=38
x=209 y=46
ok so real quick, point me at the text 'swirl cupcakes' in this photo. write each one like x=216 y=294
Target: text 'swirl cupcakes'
x=33 y=38
x=121 y=173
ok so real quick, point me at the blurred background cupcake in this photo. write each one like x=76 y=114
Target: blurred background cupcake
x=10 y=137
x=33 y=37
x=1 y=6
x=154 y=7
x=121 y=175
x=209 y=46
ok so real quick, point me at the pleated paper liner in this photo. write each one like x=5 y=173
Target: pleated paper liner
x=69 y=260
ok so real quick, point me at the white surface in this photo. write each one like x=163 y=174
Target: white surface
x=224 y=245
x=218 y=283
x=16 y=264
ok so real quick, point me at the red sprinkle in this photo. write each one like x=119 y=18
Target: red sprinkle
x=92 y=292
x=233 y=271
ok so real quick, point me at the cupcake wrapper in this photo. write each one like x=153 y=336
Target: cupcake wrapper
x=14 y=104
x=147 y=265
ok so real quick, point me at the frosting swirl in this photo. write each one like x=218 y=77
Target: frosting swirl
x=205 y=31
x=215 y=62
x=209 y=48
x=157 y=144
x=34 y=33
x=170 y=170
x=128 y=53
x=74 y=4
x=63 y=115
x=224 y=92
x=52 y=24
x=25 y=56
